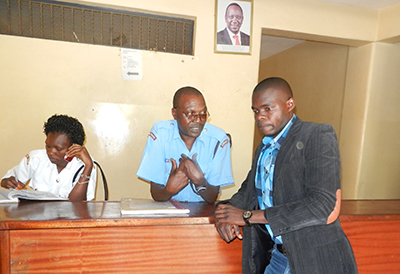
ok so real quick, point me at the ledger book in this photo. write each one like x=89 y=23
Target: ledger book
x=13 y=195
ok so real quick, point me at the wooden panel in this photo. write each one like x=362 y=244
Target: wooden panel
x=144 y=249
x=376 y=245
x=4 y=252
x=94 y=238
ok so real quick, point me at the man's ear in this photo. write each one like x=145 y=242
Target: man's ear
x=291 y=104
x=173 y=112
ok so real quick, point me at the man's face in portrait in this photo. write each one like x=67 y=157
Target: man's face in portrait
x=234 y=18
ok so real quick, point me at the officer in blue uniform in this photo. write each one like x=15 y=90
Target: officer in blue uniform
x=186 y=159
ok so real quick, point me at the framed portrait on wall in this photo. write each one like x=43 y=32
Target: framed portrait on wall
x=233 y=26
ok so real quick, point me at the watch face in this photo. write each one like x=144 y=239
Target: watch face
x=247 y=214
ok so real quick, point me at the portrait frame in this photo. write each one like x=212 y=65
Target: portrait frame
x=221 y=38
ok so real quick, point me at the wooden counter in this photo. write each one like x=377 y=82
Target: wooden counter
x=92 y=237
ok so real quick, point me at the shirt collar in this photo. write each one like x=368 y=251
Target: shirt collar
x=176 y=135
x=271 y=140
x=69 y=165
x=231 y=34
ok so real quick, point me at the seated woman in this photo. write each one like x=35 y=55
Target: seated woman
x=63 y=168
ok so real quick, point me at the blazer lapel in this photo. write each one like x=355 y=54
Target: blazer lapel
x=287 y=145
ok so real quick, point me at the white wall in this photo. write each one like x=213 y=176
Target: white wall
x=42 y=77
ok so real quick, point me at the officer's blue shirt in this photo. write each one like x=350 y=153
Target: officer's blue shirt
x=164 y=142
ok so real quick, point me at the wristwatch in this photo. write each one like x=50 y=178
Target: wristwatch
x=246 y=216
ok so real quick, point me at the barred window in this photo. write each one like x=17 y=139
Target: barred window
x=96 y=25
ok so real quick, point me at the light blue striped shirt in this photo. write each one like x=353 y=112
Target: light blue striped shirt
x=265 y=171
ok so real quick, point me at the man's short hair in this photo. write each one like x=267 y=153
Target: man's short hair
x=184 y=90
x=233 y=4
x=63 y=124
x=278 y=82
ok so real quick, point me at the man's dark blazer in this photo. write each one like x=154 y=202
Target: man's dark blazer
x=306 y=178
x=224 y=39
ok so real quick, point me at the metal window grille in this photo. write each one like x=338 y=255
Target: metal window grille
x=96 y=25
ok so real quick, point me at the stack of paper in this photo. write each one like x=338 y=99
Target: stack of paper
x=151 y=208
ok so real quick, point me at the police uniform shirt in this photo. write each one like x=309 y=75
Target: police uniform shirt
x=164 y=142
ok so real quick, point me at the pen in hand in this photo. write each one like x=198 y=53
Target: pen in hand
x=19 y=186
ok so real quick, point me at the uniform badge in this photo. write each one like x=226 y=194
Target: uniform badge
x=152 y=136
x=224 y=143
x=27 y=159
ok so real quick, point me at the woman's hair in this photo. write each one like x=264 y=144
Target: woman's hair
x=67 y=125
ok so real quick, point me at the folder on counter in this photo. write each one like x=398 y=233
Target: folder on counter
x=151 y=208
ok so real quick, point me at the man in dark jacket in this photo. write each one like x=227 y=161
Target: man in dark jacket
x=289 y=203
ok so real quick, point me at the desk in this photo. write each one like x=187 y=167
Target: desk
x=92 y=237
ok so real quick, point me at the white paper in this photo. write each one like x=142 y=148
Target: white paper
x=151 y=208
x=13 y=195
x=131 y=64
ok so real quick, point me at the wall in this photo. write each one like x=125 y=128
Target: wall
x=370 y=125
x=316 y=73
x=355 y=107
x=379 y=169
x=389 y=21
x=318 y=21
x=368 y=122
x=41 y=77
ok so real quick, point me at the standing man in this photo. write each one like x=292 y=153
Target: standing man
x=232 y=35
x=186 y=158
x=289 y=203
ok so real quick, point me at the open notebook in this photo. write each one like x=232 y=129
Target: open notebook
x=13 y=195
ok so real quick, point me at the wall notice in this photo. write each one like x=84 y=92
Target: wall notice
x=131 y=62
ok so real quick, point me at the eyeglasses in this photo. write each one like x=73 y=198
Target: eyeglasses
x=193 y=117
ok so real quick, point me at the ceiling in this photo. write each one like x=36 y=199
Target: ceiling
x=271 y=45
